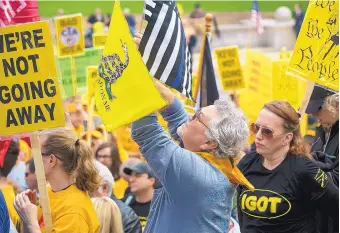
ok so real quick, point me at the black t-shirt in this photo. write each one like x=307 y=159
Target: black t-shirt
x=285 y=198
x=142 y=211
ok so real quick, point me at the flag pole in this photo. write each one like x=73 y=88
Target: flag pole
x=208 y=22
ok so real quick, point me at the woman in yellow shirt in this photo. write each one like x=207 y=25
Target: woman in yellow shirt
x=71 y=173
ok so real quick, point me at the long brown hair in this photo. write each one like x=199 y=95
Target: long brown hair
x=116 y=162
x=77 y=158
x=291 y=124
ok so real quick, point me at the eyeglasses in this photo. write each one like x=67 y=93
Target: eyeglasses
x=104 y=157
x=265 y=132
x=48 y=154
x=197 y=116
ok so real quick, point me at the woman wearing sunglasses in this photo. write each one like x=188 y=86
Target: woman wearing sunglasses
x=289 y=187
x=71 y=173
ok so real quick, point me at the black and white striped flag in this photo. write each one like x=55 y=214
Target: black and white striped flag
x=163 y=46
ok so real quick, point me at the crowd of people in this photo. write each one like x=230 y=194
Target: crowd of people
x=196 y=173
x=138 y=178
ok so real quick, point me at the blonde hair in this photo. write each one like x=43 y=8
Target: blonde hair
x=332 y=103
x=108 y=214
x=76 y=156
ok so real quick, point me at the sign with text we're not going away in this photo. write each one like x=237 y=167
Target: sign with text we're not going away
x=29 y=93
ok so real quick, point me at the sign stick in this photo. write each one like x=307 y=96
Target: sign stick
x=208 y=22
x=306 y=98
x=40 y=173
x=90 y=121
x=74 y=77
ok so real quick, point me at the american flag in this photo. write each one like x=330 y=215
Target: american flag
x=163 y=46
x=257 y=17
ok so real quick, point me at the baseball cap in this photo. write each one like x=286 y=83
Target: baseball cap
x=143 y=168
x=316 y=100
x=140 y=168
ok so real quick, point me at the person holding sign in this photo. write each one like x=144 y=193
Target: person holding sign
x=70 y=170
x=289 y=186
x=198 y=180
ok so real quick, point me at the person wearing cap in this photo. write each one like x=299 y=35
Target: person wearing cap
x=142 y=182
x=324 y=105
x=198 y=176
x=77 y=116
x=130 y=220
x=96 y=138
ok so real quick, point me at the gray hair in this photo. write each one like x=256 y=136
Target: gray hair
x=230 y=131
x=106 y=175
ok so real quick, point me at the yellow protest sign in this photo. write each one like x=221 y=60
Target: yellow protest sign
x=70 y=36
x=258 y=76
x=99 y=39
x=30 y=97
x=229 y=68
x=316 y=52
x=125 y=91
x=285 y=87
x=92 y=75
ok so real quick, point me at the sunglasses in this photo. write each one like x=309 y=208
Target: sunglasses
x=265 y=132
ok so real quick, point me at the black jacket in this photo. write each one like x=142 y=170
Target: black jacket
x=330 y=147
x=131 y=223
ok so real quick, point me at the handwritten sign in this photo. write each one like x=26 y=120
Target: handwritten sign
x=91 y=57
x=229 y=68
x=285 y=87
x=258 y=75
x=29 y=93
x=70 y=38
x=316 y=53
x=99 y=40
x=92 y=75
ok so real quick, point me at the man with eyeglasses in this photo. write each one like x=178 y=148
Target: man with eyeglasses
x=199 y=177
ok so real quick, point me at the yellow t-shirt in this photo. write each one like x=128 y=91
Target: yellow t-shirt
x=72 y=211
x=119 y=188
x=9 y=196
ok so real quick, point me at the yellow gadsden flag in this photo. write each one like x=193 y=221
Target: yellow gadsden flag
x=124 y=92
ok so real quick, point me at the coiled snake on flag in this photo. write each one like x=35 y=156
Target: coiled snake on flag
x=110 y=75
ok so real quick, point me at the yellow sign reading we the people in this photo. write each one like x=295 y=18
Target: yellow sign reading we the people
x=70 y=38
x=29 y=93
x=316 y=52
x=99 y=39
x=229 y=68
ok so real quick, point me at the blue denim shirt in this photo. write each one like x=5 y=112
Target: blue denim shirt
x=195 y=197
